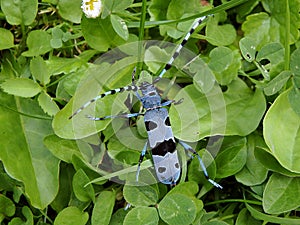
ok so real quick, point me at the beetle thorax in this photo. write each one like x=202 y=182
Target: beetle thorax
x=150 y=98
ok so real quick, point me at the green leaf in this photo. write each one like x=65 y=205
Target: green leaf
x=177 y=209
x=119 y=26
x=294 y=99
x=39 y=70
x=266 y=28
x=57 y=36
x=70 y=216
x=270 y=218
x=118 y=217
x=114 y=6
x=232 y=157
x=189 y=188
x=38 y=42
x=274 y=52
x=99 y=33
x=204 y=78
x=62 y=148
x=244 y=218
x=277 y=83
x=265 y=157
x=6 y=39
x=103 y=208
x=20 y=12
x=244 y=9
x=248 y=48
x=283 y=140
x=47 y=104
x=195 y=172
x=96 y=76
x=278 y=10
x=216 y=112
x=140 y=195
x=7 y=207
x=70 y=10
x=22 y=87
x=219 y=35
x=253 y=173
x=23 y=153
x=82 y=191
x=142 y=215
x=281 y=194
x=294 y=65
x=62 y=199
x=225 y=63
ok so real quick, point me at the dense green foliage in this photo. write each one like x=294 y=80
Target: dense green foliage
x=238 y=75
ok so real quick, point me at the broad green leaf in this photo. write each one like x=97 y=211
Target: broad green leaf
x=189 y=188
x=195 y=172
x=125 y=145
x=23 y=87
x=283 y=140
x=294 y=65
x=265 y=157
x=248 y=48
x=114 y=6
x=39 y=70
x=274 y=52
x=140 y=195
x=204 y=78
x=225 y=63
x=118 y=217
x=57 y=36
x=232 y=157
x=26 y=214
x=175 y=11
x=70 y=216
x=95 y=81
x=62 y=199
x=26 y=211
x=294 y=100
x=100 y=34
x=7 y=207
x=281 y=194
x=216 y=112
x=70 y=10
x=278 y=10
x=266 y=28
x=6 y=39
x=253 y=173
x=62 y=148
x=142 y=215
x=277 y=83
x=219 y=35
x=157 y=9
x=244 y=218
x=38 y=42
x=119 y=26
x=103 y=208
x=82 y=191
x=244 y=9
x=58 y=65
x=270 y=218
x=177 y=209
x=23 y=153
x=47 y=104
x=20 y=12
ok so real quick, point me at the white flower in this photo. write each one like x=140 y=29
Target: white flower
x=91 y=8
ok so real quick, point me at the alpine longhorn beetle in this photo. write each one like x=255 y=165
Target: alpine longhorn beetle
x=156 y=118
